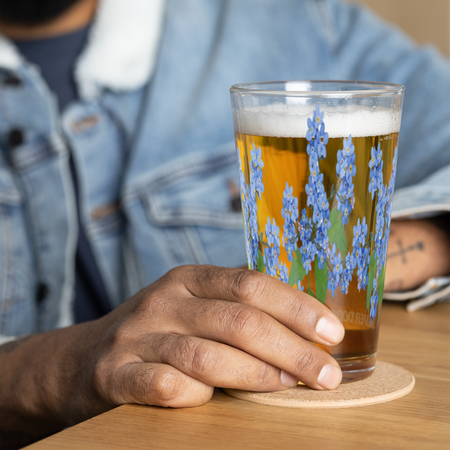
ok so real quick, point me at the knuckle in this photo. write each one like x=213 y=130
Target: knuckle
x=299 y=313
x=177 y=273
x=123 y=335
x=204 y=360
x=196 y=356
x=247 y=284
x=159 y=297
x=178 y=351
x=154 y=304
x=181 y=275
x=245 y=321
x=305 y=361
x=163 y=385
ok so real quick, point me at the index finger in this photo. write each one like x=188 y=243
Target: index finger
x=296 y=310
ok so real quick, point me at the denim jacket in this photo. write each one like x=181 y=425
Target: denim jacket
x=153 y=139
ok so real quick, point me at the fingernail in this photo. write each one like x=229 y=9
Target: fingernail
x=330 y=377
x=330 y=330
x=287 y=379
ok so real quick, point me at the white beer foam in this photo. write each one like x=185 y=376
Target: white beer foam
x=287 y=120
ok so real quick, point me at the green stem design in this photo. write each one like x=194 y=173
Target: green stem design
x=335 y=191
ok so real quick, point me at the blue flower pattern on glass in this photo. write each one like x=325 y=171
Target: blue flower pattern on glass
x=360 y=254
x=249 y=207
x=374 y=300
x=316 y=197
x=334 y=278
x=290 y=215
x=284 y=272
x=272 y=249
x=346 y=170
x=257 y=165
x=376 y=170
x=383 y=211
x=312 y=231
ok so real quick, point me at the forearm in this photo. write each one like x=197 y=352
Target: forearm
x=418 y=250
x=41 y=379
x=169 y=345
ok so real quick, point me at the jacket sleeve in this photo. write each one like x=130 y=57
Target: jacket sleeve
x=366 y=48
x=363 y=47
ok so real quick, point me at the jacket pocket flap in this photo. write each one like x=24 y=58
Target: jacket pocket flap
x=195 y=190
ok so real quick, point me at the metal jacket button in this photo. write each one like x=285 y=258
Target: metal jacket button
x=42 y=291
x=15 y=137
x=11 y=80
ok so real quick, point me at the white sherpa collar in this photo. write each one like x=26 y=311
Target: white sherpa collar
x=9 y=56
x=122 y=46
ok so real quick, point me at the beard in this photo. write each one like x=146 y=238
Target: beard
x=32 y=12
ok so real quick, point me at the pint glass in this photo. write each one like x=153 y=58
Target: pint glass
x=317 y=163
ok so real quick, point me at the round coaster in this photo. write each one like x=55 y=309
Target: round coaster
x=387 y=383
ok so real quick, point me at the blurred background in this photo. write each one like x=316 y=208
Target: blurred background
x=427 y=21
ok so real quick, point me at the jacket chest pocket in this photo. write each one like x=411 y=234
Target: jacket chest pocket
x=189 y=213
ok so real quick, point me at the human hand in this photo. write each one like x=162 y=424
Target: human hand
x=418 y=250
x=204 y=326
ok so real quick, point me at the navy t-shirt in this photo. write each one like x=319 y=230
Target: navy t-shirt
x=56 y=58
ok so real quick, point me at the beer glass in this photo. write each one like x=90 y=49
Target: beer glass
x=317 y=163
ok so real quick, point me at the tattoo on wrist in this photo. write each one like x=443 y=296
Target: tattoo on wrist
x=419 y=245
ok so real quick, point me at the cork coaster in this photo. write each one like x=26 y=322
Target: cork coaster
x=387 y=383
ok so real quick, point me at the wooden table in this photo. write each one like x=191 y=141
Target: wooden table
x=418 y=341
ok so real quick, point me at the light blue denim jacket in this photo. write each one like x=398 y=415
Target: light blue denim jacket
x=160 y=198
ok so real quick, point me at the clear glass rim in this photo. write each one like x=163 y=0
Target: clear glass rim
x=358 y=89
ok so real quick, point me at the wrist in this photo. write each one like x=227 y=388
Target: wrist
x=76 y=396
x=418 y=250
x=44 y=381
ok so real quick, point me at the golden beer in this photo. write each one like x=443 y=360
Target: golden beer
x=316 y=190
